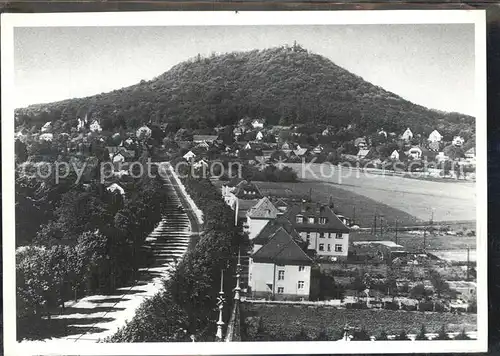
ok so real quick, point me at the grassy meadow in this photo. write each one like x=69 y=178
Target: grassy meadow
x=446 y=201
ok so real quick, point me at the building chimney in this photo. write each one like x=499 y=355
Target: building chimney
x=330 y=203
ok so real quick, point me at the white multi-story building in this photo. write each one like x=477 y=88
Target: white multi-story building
x=323 y=231
x=279 y=268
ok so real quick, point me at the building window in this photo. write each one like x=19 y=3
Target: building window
x=322 y=235
x=322 y=221
x=301 y=285
x=329 y=235
x=281 y=275
x=338 y=235
x=311 y=220
x=299 y=219
x=321 y=247
x=329 y=247
x=281 y=290
x=338 y=248
x=302 y=268
x=308 y=237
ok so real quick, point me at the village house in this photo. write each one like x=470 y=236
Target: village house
x=364 y=153
x=203 y=145
x=95 y=126
x=237 y=132
x=286 y=146
x=241 y=196
x=280 y=268
x=360 y=143
x=398 y=155
x=300 y=152
x=143 y=132
x=382 y=132
x=128 y=142
x=407 y=135
x=457 y=141
x=318 y=149
x=435 y=136
x=259 y=136
x=415 y=153
x=46 y=137
x=209 y=139
x=470 y=154
x=189 y=156
x=257 y=124
x=318 y=225
x=46 y=127
x=115 y=187
x=200 y=164
x=81 y=124
x=259 y=215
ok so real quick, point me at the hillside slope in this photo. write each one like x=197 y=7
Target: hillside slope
x=284 y=85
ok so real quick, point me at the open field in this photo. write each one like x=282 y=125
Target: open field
x=347 y=202
x=415 y=242
x=289 y=320
x=449 y=201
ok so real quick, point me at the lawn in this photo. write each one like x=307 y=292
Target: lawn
x=285 y=320
x=346 y=202
x=448 y=201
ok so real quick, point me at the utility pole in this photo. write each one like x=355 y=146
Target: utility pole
x=467 y=275
x=381 y=232
x=396 y=232
x=353 y=214
x=425 y=237
x=374 y=224
x=310 y=195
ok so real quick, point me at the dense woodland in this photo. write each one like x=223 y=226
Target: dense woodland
x=283 y=85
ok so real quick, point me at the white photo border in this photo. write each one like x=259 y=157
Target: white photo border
x=231 y=18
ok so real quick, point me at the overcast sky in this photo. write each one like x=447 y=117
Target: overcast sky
x=431 y=65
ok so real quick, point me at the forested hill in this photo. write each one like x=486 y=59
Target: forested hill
x=283 y=85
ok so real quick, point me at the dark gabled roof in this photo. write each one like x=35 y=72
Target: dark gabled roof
x=316 y=210
x=281 y=249
x=245 y=186
x=272 y=227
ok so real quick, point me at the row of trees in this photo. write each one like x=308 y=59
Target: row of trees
x=89 y=243
x=187 y=304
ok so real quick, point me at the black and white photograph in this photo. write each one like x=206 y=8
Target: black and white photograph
x=244 y=182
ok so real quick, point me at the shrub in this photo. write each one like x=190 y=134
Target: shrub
x=301 y=336
x=403 y=336
x=462 y=336
x=426 y=306
x=421 y=334
x=361 y=335
x=391 y=306
x=322 y=336
x=442 y=335
x=382 y=336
